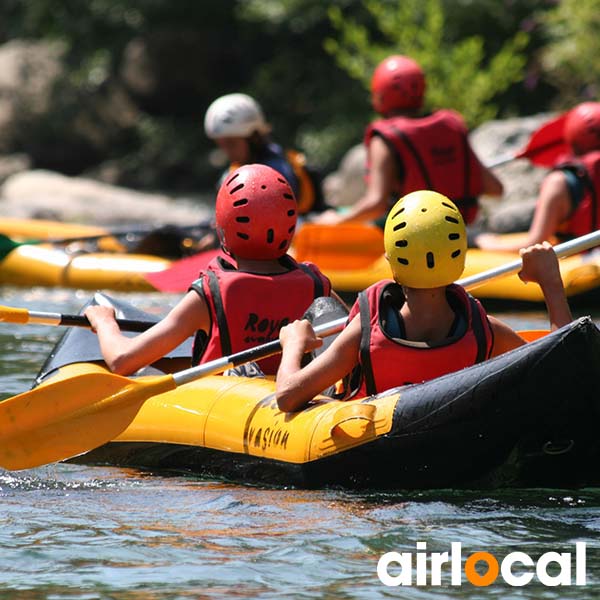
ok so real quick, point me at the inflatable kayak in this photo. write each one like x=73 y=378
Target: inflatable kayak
x=351 y=256
x=526 y=418
x=49 y=266
x=357 y=270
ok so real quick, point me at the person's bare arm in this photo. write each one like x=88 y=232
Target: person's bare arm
x=490 y=183
x=296 y=386
x=540 y=265
x=382 y=180
x=124 y=355
x=552 y=208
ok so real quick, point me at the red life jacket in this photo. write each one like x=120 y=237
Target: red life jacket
x=248 y=309
x=389 y=362
x=586 y=216
x=433 y=153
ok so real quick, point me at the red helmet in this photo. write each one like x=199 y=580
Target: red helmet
x=582 y=127
x=397 y=83
x=256 y=213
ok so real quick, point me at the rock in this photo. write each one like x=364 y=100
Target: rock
x=44 y=194
x=13 y=163
x=346 y=185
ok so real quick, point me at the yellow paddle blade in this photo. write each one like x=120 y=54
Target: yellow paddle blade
x=71 y=416
x=10 y=314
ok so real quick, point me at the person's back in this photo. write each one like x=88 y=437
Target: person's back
x=420 y=325
x=262 y=289
x=568 y=203
x=233 y=305
x=408 y=151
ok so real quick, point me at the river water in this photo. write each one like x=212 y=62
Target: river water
x=77 y=532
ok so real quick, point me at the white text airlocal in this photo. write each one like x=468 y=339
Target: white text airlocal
x=516 y=569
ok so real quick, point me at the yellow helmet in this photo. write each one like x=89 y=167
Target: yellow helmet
x=425 y=240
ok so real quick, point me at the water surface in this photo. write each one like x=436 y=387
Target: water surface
x=78 y=532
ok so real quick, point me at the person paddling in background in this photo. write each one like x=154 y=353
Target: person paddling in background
x=237 y=304
x=421 y=325
x=409 y=151
x=568 y=203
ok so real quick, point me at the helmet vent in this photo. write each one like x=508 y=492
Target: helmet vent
x=401 y=244
x=288 y=197
x=400 y=226
x=398 y=212
x=291 y=229
x=244 y=236
x=270 y=236
x=291 y=212
x=235 y=176
x=455 y=254
x=237 y=188
x=452 y=220
x=243 y=219
x=403 y=261
x=430 y=260
x=448 y=206
x=283 y=245
x=454 y=236
x=241 y=202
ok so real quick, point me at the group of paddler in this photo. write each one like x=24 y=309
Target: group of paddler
x=416 y=327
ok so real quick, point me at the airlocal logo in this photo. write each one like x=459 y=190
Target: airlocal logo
x=561 y=568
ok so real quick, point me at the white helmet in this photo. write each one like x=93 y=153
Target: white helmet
x=234 y=115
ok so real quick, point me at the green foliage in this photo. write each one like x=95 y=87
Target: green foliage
x=460 y=74
x=570 y=57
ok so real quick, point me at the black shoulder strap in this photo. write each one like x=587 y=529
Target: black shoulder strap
x=201 y=337
x=467 y=167
x=478 y=330
x=416 y=156
x=365 y=342
x=318 y=283
x=215 y=292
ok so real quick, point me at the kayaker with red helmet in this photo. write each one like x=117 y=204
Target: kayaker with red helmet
x=409 y=151
x=237 y=304
x=420 y=325
x=568 y=203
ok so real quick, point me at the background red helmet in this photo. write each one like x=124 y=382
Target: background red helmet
x=398 y=83
x=582 y=127
x=256 y=213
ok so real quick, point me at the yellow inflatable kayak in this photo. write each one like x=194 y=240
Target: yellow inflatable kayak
x=353 y=260
x=42 y=265
x=527 y=418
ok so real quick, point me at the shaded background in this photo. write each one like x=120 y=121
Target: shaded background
x=117 y=89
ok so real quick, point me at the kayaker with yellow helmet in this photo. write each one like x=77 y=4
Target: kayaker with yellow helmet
x=569 y=199
x=408 y=150
x=420 y=325
x=237 y=304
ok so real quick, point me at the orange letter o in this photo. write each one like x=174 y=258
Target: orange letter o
x=474 y=577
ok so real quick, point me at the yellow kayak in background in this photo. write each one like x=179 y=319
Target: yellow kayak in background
x=49 y=266
x=351 y=256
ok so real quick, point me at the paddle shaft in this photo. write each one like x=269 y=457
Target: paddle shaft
x=580 y=244
x=8 y=314
x=239 y=358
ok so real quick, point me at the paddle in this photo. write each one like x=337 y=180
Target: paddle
x=580 y=244
x=23 y=316
x=545 y=146
x=67 y=417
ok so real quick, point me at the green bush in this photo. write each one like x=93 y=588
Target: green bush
x=460 y=75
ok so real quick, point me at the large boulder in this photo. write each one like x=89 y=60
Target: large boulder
x=44 y=194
